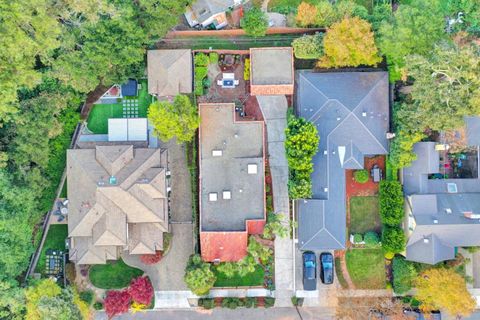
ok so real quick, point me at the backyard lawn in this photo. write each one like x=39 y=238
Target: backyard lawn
x=113 y=275
x=98 y=119
x=55 y=240
x=252 y=279
x=366 y=268
x=364 y=215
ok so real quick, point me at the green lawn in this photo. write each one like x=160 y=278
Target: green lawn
x=113 y=275
x=364 y=214
x=366 y=268
x=252 y=279
x=98 y=118
x=57 y=233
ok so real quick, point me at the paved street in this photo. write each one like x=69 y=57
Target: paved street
x=223 y=314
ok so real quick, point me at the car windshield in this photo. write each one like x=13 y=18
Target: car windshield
x=309 y=264
x=327 y=265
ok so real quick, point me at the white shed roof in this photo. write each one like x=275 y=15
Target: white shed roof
x=129 y=129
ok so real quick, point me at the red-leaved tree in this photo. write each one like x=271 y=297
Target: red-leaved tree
x=116 y=302
x=151 y=258
x=141 y=290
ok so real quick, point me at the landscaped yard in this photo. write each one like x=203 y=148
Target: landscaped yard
x=364 y=214
x=113 y=275
x=55 y=240
x=366 y=268
x=252 y=279
x=98 y=119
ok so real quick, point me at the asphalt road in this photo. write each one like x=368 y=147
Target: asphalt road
x=222 y=314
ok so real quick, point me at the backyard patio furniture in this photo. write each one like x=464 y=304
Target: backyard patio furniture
x=228 y=81
x=376 y=174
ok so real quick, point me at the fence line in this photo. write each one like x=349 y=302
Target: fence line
x=46 y=224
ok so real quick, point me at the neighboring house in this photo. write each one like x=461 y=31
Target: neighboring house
x=441 y=214
x=169 y=72
x=210 y=12
x=117 y=202
x=271 y=71
x=351 y=113
x=232 y=182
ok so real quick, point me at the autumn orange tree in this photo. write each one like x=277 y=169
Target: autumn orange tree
x=306 y=15
x=349 y=43
x=444 y=289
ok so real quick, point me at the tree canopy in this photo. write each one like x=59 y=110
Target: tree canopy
x=199 y=276
x=174 y=120
x=255 y=22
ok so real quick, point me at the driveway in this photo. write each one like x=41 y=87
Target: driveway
x=274 y=109
x=167 y=275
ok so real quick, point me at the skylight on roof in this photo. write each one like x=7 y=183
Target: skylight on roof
x=252 y=168
x=227 y=195
x=452 y=188
x=212 y=196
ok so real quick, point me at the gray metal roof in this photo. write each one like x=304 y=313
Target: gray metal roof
x=350 y=111
x=415 y=178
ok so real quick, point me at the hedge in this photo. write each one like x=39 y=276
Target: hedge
x=201 y=59
x=393 y=239
x=391 y=203
x=404 y=274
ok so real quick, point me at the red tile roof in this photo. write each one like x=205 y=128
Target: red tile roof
x=271 y=90
x=225 y=246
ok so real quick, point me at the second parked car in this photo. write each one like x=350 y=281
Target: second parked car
x=326 y=267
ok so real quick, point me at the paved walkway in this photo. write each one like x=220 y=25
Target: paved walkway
x=167 y=275
x=274 y=109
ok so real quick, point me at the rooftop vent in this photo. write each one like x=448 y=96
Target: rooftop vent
x=112 y=180
x=364 y=114
x=217 y=153
x=252 y=168
x=338 y=118
x=212 y=196
x=325 y=189
x=240 y=190
x=100 y=183
x=390 y=135
x=325 y=152
x=435 y=221
x=452 y=188
x=448 y=210
x=426 y=240
x=227 y=195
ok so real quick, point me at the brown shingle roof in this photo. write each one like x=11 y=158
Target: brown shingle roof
x=106 y=214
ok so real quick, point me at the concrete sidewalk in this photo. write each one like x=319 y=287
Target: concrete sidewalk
x=274 y=109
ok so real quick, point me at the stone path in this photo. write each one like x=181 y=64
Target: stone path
x=274 y=109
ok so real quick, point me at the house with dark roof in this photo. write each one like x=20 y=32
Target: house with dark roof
x=441 y=213
x=351 y=113
x=232 y=182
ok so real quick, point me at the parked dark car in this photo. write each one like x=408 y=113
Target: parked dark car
x=418 y=315
x=309 y=271
x=326 y=267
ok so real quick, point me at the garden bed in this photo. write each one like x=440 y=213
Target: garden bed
x=55 y=240
x=113 y=275
x=366 y=268
x=364 y=214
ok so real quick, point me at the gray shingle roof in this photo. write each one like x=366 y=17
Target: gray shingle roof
x=430 y=249
x=350 y=111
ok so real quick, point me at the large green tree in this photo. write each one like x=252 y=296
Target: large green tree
x=255 y=22
x=174 y=120
x=415 y=29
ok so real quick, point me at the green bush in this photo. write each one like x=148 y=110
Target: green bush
x=275 y=226
x=361 y=176
x=98 y=306
x=389 y=255
x=199 y=87
x=308 y=46
x=251 y=302
x=404 y=274
x=206 y=303
x=200 y=73
x=357 y=237
x=201 y=60
x=393 y=239
x=199 y=276
x=87 y=296
x=255 y=22
x=232 y=303
x=213 y=57
x=269 y=302
x=391 y=203
x=371 y=239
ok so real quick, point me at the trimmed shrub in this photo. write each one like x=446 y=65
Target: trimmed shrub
x=232 y=303
x=117 y=302
x=393 y=239
x=200 y=73
x=269 y=302
x=98 y=305
x=391 y=203
x=87 y=296
x=389 y=255
x=308 y=46
x=357 y=237
x=213 y=57
x=201 y=59
x=141 y=290
x=404 y=274
x=361 y=176
x=246 y=70
x=371 y=239
x=251 y=302
x=206 y=303
x=150 y=259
